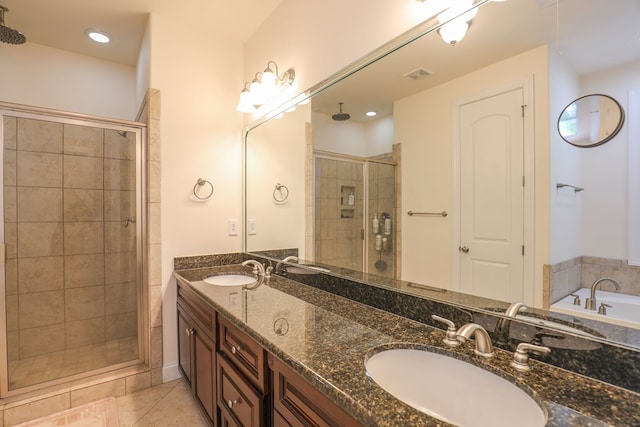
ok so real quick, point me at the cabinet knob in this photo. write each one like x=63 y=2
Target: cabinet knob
x=235 y=349
x=189 y=331
x=231 y=403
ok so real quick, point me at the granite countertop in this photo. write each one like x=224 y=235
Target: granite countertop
x=326 y=339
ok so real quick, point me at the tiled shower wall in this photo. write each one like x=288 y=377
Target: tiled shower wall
x=71 y=268
x=337 y=224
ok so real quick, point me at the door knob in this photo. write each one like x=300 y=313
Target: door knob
x=464 y=249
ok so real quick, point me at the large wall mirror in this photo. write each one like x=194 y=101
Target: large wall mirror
x=452 y=185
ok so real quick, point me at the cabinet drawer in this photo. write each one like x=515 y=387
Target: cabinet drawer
x=203 y=315
x=279 y=420
x=245 y=354
x=299 y=404
x=237 y=398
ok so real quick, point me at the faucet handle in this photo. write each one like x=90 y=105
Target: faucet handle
x=267 y=273
x=576 y=299
x=521 y=356
x=451 y=338
x=603 y=308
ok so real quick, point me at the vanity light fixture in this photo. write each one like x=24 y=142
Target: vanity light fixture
x=455 y=27
x=98 y=36
x=263 y=87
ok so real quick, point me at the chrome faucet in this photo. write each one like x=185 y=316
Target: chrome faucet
x=521 y=356
x=514 y=309
x=502 y=327
x=590 y=303
x=290 y=258
x=257 y=267
x=484 y=347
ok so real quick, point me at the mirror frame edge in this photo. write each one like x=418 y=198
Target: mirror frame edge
x=608 y=138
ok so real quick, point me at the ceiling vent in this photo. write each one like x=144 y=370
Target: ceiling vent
x=418 y=74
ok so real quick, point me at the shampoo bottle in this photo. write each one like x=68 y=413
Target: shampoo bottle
x=387 y=226
x=376 y=224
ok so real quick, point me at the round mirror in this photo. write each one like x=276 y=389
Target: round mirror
x=590 y=120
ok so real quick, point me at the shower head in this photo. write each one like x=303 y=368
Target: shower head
x=9 y=35
x=340 y=117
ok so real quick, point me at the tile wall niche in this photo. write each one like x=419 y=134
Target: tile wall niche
x=116 y=383
x=580 y=272
x=337 y=222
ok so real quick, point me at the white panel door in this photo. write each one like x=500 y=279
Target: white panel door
x=492 y=196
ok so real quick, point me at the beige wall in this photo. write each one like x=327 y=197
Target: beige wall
x=427 y=174
x=199 y=74
x=279 y=225
x=565 y=166
x=41 y=76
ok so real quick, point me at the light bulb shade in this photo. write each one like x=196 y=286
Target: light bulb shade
x=245 y=105
x=256 y=92
x=454 y=31
x=269 y=84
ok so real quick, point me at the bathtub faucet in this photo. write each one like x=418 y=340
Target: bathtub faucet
x=591 y=303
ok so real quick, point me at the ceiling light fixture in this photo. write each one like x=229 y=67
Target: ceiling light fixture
x=264 y=86
x=370 y=114
x=98 y=36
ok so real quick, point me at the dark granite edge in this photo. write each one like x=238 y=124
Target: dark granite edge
x=200 y=261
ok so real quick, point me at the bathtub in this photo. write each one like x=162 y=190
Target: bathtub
x=624 y=310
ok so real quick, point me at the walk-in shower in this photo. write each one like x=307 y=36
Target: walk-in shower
x=72 y=281
x=355 y=205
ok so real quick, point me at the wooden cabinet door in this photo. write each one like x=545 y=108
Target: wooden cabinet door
x=297 y=403
x=205 y=374
x=237 y=398
x=185 y=331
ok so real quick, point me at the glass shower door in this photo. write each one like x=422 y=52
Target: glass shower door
x=381 y=202
x=73 y=248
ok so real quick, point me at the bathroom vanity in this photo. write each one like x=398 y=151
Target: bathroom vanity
x=287 y=353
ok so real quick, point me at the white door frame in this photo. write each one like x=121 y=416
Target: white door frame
x=526 y=84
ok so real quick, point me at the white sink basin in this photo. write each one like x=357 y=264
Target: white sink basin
x=452 y=390
x=230 y=280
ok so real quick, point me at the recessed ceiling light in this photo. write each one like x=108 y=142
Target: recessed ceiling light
x=370 y=113
x=98 y=36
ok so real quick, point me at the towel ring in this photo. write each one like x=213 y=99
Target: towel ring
x=201 y=183
x=278 y=189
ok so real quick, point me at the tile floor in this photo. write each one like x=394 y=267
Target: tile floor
x=166 y=405
x=34 y=370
